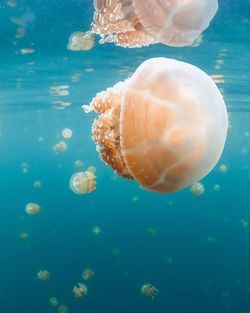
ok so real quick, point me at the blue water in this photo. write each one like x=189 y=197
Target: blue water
x=197 y=253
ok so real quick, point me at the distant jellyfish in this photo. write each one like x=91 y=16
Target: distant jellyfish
x=244 y=223
x=165 y=126
x=87 y=274
x=197 y=189
x=80 y=41
x=24 y=236
x=82 y=182
x=211 y=239
x=43 y=275
x=60 y=147
x=96 y=230
x=216 y=187
x=37 y=184
x=136 y=23
x=223 y=169
x=149 y=290
x=53 y=301
x=80 y=290
x=67 y=133
x=24 y=167
x=151 y=232
x=32 y=208
x=135 y=199
x=79 y=163
x=63 y=309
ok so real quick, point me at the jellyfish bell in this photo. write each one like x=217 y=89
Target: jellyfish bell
x=165 y=126
x=136 y=23
x=176 y=22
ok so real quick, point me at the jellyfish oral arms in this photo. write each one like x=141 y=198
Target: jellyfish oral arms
x=136 y=23
x=165 y=126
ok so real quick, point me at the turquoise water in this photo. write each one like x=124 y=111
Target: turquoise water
x=195 y=250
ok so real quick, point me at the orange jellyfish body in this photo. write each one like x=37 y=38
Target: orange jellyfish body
x=136 y=23
x=165 y=126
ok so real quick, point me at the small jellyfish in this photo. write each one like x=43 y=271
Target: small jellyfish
x=82 y=182
x=211 y=239
x=216 y=187
x=87 y=274
x=27 y=50
x=24 y=236
x=79 y=163
x=61 y=90
x=135 y=199
x=60 y=105
x=197 y=189
x=136 y=23
x=151 y=232
x=244 y=223
x=53 y=301
x=63 y=309
x=37 y=184
x=165 y=126
x=24 y=167
x=223 y=169
x=149 y=290
x=32 y=208
x=60 y=147
x=80 y=290
x=43 y=275
x=67 y=133
x=96 y=230
x=80 y=41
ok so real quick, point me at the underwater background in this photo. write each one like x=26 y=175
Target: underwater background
x=194 y=250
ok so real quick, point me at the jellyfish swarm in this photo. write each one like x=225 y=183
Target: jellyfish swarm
x=136 y=23
x=165 y=126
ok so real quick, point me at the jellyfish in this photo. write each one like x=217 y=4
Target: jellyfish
x=37 y=184
x=79 y=41
x=82 y=182
x=87 y=274
x=149 y=290
x=32 y=208
x=60 y=147
x=43 y=275
x=79 y=163
x=96 y=230
x=63 y=309
x=223 y=169
x=165 y=126
x=24 y=236
x=136 y=23
x=53 y=301
x=197 y=189
x=67 y=133
x=80 y=290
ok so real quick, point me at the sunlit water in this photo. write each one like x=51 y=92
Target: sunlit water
x=195 y=250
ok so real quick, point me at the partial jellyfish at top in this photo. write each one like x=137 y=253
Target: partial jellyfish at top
x=137 y=23
x=165 y=126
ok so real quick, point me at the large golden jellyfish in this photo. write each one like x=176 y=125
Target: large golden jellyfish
x=165 y=126
x=136 y=23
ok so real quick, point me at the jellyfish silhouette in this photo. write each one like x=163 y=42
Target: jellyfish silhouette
x=136 y=23
x=165 y=126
